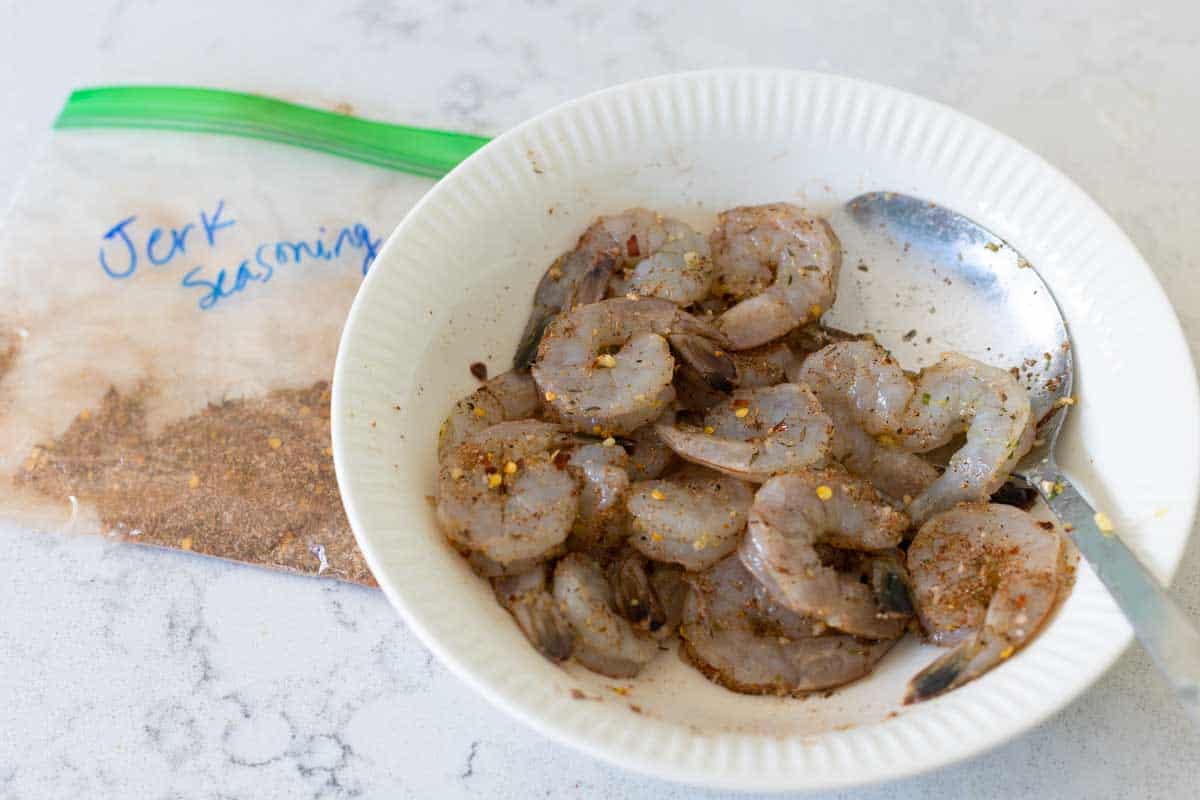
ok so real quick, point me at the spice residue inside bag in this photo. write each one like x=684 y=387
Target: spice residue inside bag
x=176 y=271
x=258 y=468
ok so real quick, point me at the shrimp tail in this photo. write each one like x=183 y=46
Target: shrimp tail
x=568 y=283
x=530 y=339
x=715 y=366
x=892 y=586
x=544 y=625
x=634 y=595
x=593 y=283
x=948 y=671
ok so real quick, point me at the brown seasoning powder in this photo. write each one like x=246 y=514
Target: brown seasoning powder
x=249 y=480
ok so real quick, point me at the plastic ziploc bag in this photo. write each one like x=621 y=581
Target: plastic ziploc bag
x=172 y=306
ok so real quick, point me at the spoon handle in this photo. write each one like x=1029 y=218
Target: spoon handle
x=1160 y=624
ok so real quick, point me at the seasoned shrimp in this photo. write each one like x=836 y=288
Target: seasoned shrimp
x=694 y=518
x=958 y=395
x=763 y=366
x=527 y=598
x=739 y=637
x=500 y=492
x=862 y=378
x=602 y=522
x=595 y=390
x=895 y=472
x=781 y=265
x=985 y=577
x=660 y=257
x=866 y=393
x=793 y=514
x=507 y=397
x=649 y=455
x=757 y=433
x=637 y=252
x=605 y=641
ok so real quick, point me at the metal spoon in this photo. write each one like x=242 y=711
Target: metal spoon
x=944 y=283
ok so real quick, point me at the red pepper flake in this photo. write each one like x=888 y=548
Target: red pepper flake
x=631 y=247
x=1047 y=526
x=741 y=402
x=561 y=460
x=490 y=469
x=479 y=370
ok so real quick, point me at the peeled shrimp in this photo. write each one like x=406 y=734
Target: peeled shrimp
x=694 y=518
x=793 y=514
x=500 y=493
x=601 y=523
x=781 y=265
x=604 y=641
x=738 y=636
x=958 y=395
x=595 y=390
x=506 y=397
x=985 y=577
x=661 y=257
x=527 y=598
x=757 y=433
x=866 y=393
x=637 y=252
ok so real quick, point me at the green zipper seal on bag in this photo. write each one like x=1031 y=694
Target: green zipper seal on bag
x=420 y=151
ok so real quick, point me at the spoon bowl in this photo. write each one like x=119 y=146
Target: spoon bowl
x=941 y=282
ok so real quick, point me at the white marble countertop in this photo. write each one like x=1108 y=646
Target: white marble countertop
x=128 y=672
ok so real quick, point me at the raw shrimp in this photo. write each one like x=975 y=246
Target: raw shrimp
x=694 y=518
x=958 y=395
x=577 y=277
x=763 y=366
x=527 y=598
x=985 y=577
x=507 y=397
x=897 y=473
x=601 y=523
x=863 y=383
x=605 y=641
x=662 y=257
x=595 y=390
x=649 y=455
x=757 y=433
x=793 y=514
x=781 y=265
x=739 y=637
x=866 y=393
x=863 y=379
x=501 y=493
x=637 y=252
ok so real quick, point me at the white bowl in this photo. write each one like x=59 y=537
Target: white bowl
x=453 y=286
